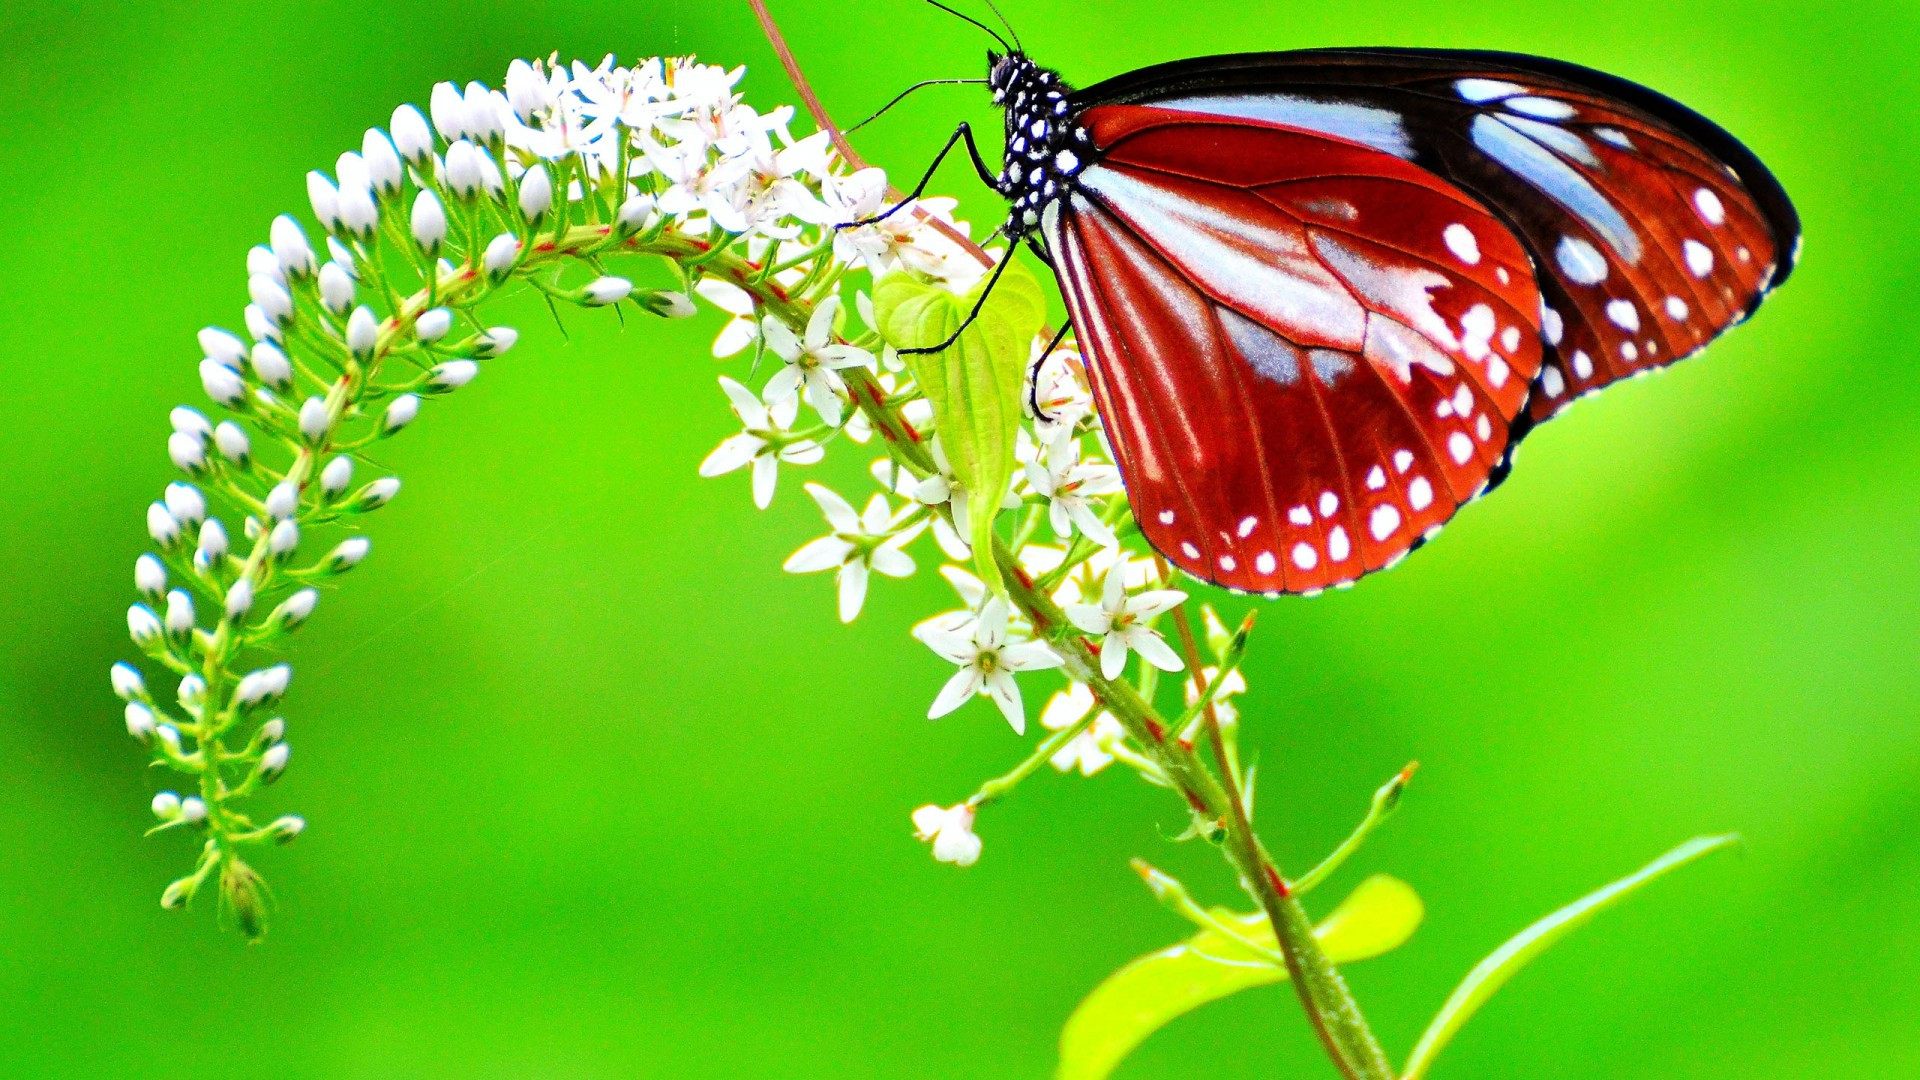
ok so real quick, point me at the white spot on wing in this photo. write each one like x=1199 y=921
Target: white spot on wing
x=1166 y=517
x=1402 y=460
x=1305 y=557
x=1676 y=309
x=1699 y=258
x=1461 y=241
x=1247 y=525
x=1552 y=325
x=1378 y=128
x=1187 y=549
x=1552 y=381
x=1623 y=314
x=1580 y=261
x=1486 y=89
x=1582 y=364
x=1338 y=546
x=1300 y=515
x=1385 y=519
x=1544 y=108
x=1329 y=503
x=1459 y=447
x=1419 y=493
x=1712 y=211
x=1264 y=562
x=1227 y=562
x=1376 y=478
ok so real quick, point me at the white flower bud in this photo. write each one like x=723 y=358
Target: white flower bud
x=193 y=810
x=189 y=420
x=240 y=599
x=502 y=252
x=669 y=304
x=336 y=288
x=286 y=828
x=166 y=733
x=180 y=615
x=400 y=412
x=336 y=476
x=454 y=374
x=222 y=384
x=272 y=731
x=607 y=290
x=166 y=806
x=490 y=173
x=536 y=192
x=259 y=325
x=463 y=169
x=433 y=325
x=363 y=332
x=150 y=576
x=352 y=171
x=483 y=114
x=266 y=684
x=284 y=538
x=526 y=91
x=252 y=528
x=261 y=260
x=449 y=111
x=495 y=341
x=343 y=255
x=313 y=419
x=140 y=721
x=213 y=541
x=290 y=248
x=347 y=554
x=377 y=494
x=189 y=452
x=383 y=162
x=284 y=498
x=233 y=443
x=271 y=298
x=410 y=135
x=221 y=346
x=128 y=683
x=296 y=609
x=429 y=222
x=185 y=503
x=274 y=762
x=359 y=214
x=162 y=525
x=193 y=691
x=325 y=199
x=143 y=626
x=270 y=364
x=634 y=215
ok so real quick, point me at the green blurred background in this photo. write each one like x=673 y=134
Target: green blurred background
x=596 y=791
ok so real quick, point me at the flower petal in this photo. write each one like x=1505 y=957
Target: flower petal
x=814 y=556
x=1154 y=649
x=964 y=684
x=1113 y=656
x=853 y=590
x=731 y=454
x=1029 y=656
x=1005 y=693
x=1148 y=604
x=838 y=512
x=1089 y=618
x=766 y=472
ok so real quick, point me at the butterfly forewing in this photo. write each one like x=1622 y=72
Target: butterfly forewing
x=1308 y=352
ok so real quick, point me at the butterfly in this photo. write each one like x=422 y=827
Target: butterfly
x=1323 y=295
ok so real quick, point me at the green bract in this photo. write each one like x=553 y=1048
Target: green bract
x=975 y=385
x=1156 y=989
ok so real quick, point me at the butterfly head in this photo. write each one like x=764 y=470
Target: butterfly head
x=1046 y=145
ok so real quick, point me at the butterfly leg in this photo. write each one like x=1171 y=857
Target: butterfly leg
x=962 y=133
x=1033 y=374
x=998 y=269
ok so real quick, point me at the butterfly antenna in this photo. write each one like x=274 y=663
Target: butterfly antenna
x=991 y=32
x=902 y=96
x=1015 y=34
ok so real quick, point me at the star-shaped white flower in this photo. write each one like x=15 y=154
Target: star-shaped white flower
x=951 y=830
x=1089 y=750
x=1118 y=620
x=1069 y=485
x=987 y=662
x=765 y=443
x=813 y=363
x=859 y=544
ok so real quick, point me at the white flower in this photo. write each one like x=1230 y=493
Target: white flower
x=1088 y=751
x=429 y=222
x=951 y=830
x=770 y=199
x=987 y=662
x=742 y=329
x=812 y=363
x=859 y=544
x=1118 y=620
x=410 y=134
x=602 y=291
x=765 y=443
x=1059 y=388
x=1069 y=484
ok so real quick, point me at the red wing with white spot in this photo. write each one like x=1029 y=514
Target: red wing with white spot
x=1651 y=229
x=1308 y=353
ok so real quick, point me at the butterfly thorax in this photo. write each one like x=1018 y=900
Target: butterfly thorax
x=1046 y=145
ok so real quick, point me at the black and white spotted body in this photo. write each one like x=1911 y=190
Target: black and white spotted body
x=1046 y=145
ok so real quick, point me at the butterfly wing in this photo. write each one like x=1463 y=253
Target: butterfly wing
x=1308 y=352
x=1651 y=229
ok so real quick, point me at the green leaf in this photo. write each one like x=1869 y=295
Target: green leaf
x=974 y=385
x=1147 y=994
x=1489 y=975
